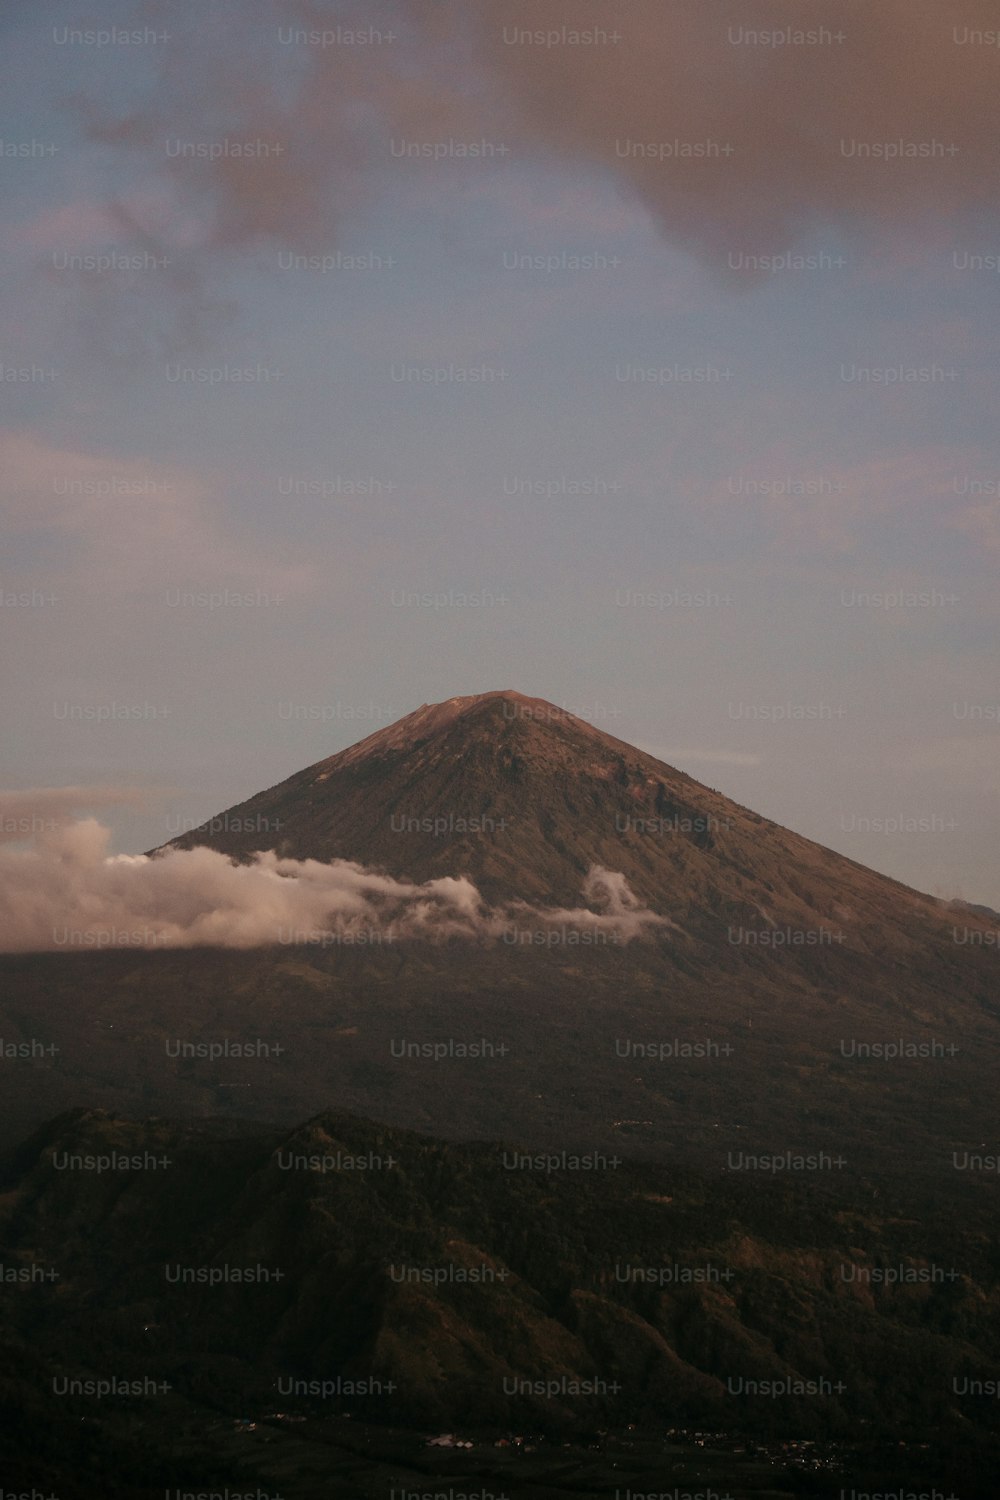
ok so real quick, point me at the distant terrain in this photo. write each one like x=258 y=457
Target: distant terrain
x=349 y=1271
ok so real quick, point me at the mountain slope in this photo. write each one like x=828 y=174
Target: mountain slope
x=524 y=799
x=703 y=1036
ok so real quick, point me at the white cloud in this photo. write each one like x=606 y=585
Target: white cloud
x=66 y=891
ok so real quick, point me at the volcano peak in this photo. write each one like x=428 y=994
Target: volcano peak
x=489 y=710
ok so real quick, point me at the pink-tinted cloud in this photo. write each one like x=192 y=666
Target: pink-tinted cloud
x=883 y=124
x=981 y=523
x=85 y=222
x=132 y=524
x=884 y=121
x=806 y=502
x=66 y=891
x=71 y=226
x=36 y=810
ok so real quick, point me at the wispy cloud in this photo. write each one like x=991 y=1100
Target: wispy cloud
x=686 y=76
x=127 y=523
x=24 y=815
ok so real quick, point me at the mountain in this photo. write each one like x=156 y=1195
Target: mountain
x=786 y=997
x=524 y=798
x=513 y=792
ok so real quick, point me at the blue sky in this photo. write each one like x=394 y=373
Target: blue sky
x=675 y=506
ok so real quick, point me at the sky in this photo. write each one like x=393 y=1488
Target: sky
x=638 y=356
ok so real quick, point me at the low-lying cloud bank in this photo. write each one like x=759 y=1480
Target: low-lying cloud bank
x=66 y=891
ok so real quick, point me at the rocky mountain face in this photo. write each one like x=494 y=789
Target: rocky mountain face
x=524 y=798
